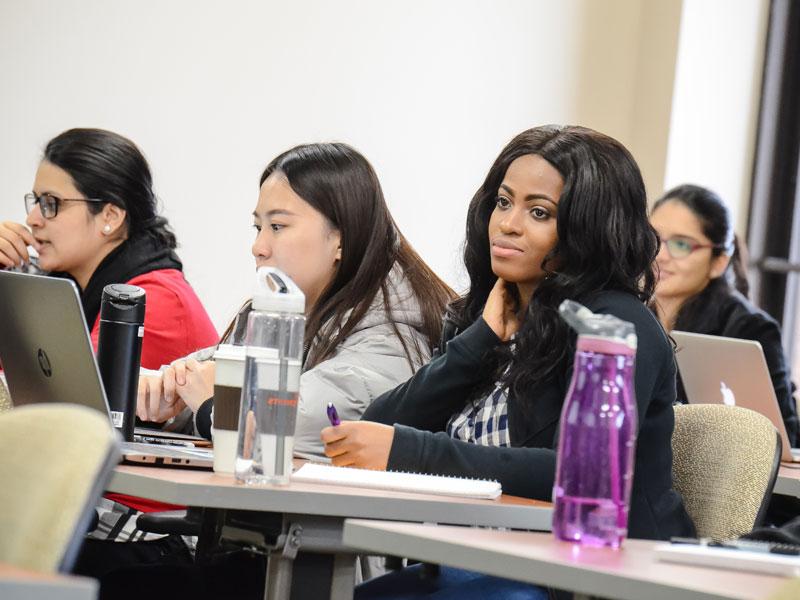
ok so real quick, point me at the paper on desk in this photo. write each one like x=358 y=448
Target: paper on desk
x=398 y=482
x=729 y=558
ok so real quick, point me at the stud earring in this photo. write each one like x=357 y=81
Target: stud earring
x=107 y=229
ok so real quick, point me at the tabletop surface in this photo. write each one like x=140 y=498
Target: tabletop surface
x=24 y=584
x=630 y=573
x=788 y=482
x=8 y=571
x=212 y=490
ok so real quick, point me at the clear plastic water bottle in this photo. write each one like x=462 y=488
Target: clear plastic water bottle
x=273 y=361
x=597 y=438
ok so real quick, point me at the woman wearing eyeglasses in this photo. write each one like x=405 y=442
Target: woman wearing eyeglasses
x=702 y=284
x=92 y=218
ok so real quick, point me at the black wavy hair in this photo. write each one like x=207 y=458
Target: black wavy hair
x=700 y=311
x=336 y=180
x=110 y=167
x=605 y=242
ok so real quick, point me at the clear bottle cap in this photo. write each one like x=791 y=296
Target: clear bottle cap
x=275 y=292
x=599 y=326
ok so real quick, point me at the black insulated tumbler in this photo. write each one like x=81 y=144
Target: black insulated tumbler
x=119 y=351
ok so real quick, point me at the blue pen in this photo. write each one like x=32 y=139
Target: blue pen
x=333 y=416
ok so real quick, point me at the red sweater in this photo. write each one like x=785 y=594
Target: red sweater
x=175 y=322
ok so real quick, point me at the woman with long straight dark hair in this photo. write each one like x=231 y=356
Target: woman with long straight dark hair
x=92 y=216
x=338 y=182
x=373 y=307
x=561 y=214
x=702 y=284
x=373 y=315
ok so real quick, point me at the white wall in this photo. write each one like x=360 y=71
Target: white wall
x=716 y=99
x=211 y=91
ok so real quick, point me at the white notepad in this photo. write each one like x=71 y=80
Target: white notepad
x=398 y=482
x=730 y=558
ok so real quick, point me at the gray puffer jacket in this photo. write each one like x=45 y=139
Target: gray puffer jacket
x=369 y=362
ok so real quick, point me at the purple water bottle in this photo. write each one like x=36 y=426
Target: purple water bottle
x=597 y=437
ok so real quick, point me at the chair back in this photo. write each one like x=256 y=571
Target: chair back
x=788 y=591
x=55 y=460
x=5 y=397
x=725 y=461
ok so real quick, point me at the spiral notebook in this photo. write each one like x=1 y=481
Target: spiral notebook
x=398 y=482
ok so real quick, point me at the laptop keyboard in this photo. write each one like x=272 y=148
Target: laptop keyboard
x=166 y=450
x=160 y=441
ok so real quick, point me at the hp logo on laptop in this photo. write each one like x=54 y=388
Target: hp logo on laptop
x=44 y=363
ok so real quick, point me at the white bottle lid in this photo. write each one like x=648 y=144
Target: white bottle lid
x=229 y=352
x=275 y=292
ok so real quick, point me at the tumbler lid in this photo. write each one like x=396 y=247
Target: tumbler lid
x=123 y=303
x=276 y=292
x=598 y=326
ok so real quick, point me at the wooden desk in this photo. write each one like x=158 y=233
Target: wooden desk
x=23 y=584
x=788 y=481
x=310 y=517
x=632 y=573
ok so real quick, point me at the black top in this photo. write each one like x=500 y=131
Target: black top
x=421 y=407
x=736 y=317
x=133 y=257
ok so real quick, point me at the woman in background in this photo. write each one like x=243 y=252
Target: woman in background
x=92 y=217
x=702 y=284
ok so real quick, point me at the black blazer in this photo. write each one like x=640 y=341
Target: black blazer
x=736 y=317
x=420 y=408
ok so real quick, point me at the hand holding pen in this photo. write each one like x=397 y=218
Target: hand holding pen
x=361 y=444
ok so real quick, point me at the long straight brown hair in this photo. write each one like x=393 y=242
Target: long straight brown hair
x=339 y=182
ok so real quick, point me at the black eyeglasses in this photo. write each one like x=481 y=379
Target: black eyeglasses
x=49 y=204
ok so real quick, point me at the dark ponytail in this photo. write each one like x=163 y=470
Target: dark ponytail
x=739 y=267
x=108 y=166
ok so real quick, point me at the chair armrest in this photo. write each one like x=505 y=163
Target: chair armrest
x=175 y=522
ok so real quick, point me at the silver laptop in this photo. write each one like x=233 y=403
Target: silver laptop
x=47 y=356
x=721 y=370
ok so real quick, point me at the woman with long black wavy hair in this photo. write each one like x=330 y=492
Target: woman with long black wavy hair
x=561 y=214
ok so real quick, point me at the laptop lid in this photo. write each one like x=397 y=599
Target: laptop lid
x=44 y=343
x=721 y=370
x=47 y=356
